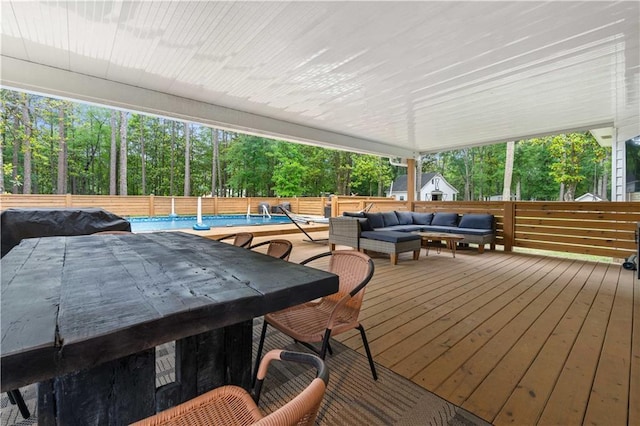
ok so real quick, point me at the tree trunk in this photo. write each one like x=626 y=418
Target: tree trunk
x=418 y=180
x=114 y=151
x=467 y=175
x=605 y=180
x=214 y=162
x=570 y=192
x=15 y=160
x=508 y=171
x=380 y=182
x=123 y=153
x=187 y=161
x=173 y=158
x=561 y=197
x=143 y=157
x=62 y=152
x=3 y=140
x=26 y=120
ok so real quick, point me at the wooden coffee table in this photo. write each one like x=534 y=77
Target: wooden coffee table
x=450 y=239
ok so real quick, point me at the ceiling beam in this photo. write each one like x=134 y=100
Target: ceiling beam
x=49 y=81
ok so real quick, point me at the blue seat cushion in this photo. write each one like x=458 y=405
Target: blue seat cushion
x=404 y=218
x=390 y=236
x=400 y=228
x=375 y=219
x=447 y=229
x=477 y=221
x=456 y=230
x=445 y=219
x=422 y=218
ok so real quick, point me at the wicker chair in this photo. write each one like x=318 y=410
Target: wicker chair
x=241 y=239
x=318 y=321
x=277 y=248
x=232 y=405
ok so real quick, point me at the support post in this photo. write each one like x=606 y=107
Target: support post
x=411 y=180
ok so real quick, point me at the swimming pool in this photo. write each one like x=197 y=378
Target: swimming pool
x=165 y=223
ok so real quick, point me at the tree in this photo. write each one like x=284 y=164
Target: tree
x=112 y=157
x=62 y=151
x=571 y=153
x=143 y=165
x=26 y=122
x=123 y=152
x=370 y=175
x=288 y=171
x=187 y=160
x=172 y=156
x=250 y=164
x=215 y=162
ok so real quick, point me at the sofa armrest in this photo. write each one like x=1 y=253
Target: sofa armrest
x=344 y=231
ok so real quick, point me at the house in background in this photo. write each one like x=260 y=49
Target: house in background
x=434 y=188
x=588 y=197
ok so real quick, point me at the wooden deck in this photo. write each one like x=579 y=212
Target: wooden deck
x=513 y=338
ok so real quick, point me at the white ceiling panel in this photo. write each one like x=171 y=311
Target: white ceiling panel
x=394 y=78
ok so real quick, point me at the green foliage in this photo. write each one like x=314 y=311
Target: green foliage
x=572 y=155
x=288 y=169
x=256 y=166
x=371 y=175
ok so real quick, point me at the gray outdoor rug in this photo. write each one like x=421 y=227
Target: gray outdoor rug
x=352 y=398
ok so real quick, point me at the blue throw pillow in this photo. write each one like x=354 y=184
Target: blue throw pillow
x=404 y=218
x=353 y=214
x=477 y=221
x=422 y=218
x=390 y=219
x=364 y=224
x=375 y=220
x=445 y=219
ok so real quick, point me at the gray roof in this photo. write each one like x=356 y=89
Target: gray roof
x=400 y=184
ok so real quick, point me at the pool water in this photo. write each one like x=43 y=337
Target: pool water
x=165 y=223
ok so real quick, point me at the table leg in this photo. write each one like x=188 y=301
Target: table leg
x=124 y=390
x=116 y=393
x=207 y=361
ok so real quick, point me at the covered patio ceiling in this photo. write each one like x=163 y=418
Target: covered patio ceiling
x=390 y=78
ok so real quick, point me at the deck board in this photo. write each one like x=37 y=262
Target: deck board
x=514 y=338
x=634 y=381
x=609 y=394
x=565 y=315
x=570 y=395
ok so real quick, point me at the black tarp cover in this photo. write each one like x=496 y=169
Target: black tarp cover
x=18 y=224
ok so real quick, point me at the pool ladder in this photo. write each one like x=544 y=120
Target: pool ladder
x=265 y=211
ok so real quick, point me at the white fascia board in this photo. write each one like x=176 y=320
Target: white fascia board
x=56 y=82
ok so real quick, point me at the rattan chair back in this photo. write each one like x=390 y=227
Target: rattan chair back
x=232 y=405
x=240 y=239
x=277 y=248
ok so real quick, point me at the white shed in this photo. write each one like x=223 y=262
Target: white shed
x=434 y=188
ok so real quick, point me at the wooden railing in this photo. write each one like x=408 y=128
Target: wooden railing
x=161 y=206
x=595 y=228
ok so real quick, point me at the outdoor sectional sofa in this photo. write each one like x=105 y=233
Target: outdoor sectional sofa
x=391 y=231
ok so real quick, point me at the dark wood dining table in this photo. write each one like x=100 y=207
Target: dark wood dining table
x=82 y=316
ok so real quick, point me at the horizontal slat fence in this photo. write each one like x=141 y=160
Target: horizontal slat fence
x=162 y=206
x=593 y=228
